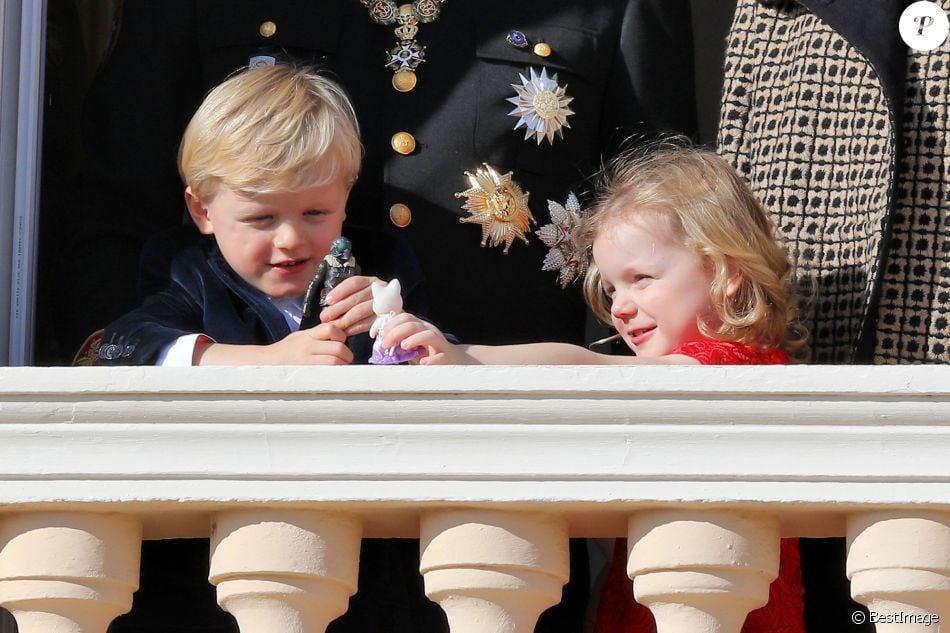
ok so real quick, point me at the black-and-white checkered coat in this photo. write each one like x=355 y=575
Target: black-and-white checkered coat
x=841 y=130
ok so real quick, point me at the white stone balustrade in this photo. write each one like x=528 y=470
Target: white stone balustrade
x=899 y=565
x=495 y=567
x=697 y=568
x=282 y=570
x=68 y=572
x=286 y=469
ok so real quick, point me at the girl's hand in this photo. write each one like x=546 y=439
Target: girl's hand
x=409 y=331
x=350 y=305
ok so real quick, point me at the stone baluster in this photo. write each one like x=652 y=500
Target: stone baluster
x=493 y=571
x=899 y=566
x=68 y=572
x=284 y=571
x=702 y=571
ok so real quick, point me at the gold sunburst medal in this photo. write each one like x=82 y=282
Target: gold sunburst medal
x=499 y=205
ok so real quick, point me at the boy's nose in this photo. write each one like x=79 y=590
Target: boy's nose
x=287 y=236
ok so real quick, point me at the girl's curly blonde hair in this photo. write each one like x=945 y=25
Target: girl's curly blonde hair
x=707 y=205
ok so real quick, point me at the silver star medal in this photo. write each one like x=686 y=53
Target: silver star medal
x=564 y=237
x=541 y=106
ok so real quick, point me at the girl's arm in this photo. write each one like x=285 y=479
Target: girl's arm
x=561 y=354
x=534 y=354
x=409 y=331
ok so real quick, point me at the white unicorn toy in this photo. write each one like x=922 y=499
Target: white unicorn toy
x=387 y=303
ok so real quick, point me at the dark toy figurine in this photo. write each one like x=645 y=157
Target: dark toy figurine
x=338 y=265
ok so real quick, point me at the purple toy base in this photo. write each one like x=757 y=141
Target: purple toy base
x=382 y=356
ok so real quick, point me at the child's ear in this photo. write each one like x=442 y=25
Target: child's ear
x=735 y=281
x=198 y=212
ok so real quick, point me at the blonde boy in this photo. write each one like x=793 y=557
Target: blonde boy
x=268 y=161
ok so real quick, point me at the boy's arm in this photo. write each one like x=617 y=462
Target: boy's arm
x=141 y=336
x=324 y=344
x=170 y=316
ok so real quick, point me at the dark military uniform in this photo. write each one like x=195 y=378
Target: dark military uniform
x=626 y=64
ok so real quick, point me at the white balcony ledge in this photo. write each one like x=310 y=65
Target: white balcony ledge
x=810 y=442
x=411 y=451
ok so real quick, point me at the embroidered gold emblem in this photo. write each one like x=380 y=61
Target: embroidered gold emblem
x=499 y=205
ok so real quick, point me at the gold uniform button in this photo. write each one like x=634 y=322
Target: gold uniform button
x=542 y=49
x=267 y=28
x=400 y=215
x=403 y=143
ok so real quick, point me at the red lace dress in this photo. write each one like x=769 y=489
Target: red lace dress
x=784 y=612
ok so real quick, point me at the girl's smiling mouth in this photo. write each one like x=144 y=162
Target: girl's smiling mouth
x=640 y=335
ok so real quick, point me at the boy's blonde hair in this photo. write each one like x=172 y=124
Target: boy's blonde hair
x=268 y=130
x=707 y=205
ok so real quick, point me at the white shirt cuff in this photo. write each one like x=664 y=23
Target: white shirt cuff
x=179 y=353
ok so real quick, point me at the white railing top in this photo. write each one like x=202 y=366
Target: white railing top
x=809 y=443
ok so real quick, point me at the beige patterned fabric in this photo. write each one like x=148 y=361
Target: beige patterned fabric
x=912 y=323
x=805 y=119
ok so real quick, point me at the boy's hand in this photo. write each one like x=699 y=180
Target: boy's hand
x=408 y=331
x=350 y=305
x=324 y=344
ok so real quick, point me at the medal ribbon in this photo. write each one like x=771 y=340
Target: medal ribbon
x=407 y=54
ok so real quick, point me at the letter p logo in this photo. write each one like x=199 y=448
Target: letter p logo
x=924 y=25
x=924 y=21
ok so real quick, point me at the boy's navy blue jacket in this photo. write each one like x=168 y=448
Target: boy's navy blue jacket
x=189 y=288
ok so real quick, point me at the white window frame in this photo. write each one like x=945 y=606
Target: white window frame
x=22 y=59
